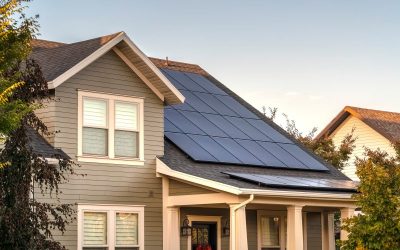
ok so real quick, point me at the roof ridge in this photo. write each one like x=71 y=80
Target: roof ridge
x=368 y=109
x=177 y=65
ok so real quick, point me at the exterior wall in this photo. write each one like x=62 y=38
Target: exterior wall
x=47 y=115
x=110 y=183
x=366 y=137
x=181 y=188
x=314 y=231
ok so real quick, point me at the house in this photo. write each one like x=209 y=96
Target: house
x=373 y=129
x=166 y=149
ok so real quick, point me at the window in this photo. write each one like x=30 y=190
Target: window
x=271 y=230
x=107 y=227
x=110 y=128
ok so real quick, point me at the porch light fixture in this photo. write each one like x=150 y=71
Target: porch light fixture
x=226 y=230
x=186 y=230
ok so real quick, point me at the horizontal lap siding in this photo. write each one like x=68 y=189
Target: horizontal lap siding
x=109 y=183
x=366 y=137
x=181 y=188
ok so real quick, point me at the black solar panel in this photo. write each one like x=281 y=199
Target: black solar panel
x=279 y=181
x=217 y=128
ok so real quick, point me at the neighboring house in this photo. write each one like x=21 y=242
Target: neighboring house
x=164 y=145
x=373 y=129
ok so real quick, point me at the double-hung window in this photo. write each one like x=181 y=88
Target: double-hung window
x=108 y=227
x=110 y=128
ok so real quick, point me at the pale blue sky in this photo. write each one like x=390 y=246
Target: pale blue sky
x=308 y=58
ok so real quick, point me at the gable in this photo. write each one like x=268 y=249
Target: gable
x=59 y=62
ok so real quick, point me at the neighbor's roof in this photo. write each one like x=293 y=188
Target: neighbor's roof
x=385 y=123
x=60 y=61
x=177 y=160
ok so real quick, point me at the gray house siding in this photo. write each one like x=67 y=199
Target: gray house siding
x=181 y=188
x=110 y=183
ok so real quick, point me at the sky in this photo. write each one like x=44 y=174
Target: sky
x=307 y=58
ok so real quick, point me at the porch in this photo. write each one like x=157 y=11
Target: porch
x=263 y=220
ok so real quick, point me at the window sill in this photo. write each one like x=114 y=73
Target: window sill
x=105 y=160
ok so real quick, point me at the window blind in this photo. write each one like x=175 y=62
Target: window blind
x=126 y=143
x=126 y=116
x=95 y=229
x=126 y=229
x=94 y=113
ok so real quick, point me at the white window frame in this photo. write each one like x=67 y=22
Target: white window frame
x=111 y=99
x=111 y=211
x=282 y=229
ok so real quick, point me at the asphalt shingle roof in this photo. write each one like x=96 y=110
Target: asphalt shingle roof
x=384 y=122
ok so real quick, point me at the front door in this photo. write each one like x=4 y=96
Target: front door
x=204 y=235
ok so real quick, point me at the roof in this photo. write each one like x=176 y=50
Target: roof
x=60 y=61
x=177 y=160
x=385 y=123
x=43 y=148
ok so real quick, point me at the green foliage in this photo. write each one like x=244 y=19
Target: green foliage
x=16 y=33
x=378 y=227
x=26 y=222
x=324 y=147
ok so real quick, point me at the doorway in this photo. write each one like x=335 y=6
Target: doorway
x=204 y=235
x=205 y=230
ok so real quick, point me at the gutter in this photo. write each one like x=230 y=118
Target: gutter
x=233 y=220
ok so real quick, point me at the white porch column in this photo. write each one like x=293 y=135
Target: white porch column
x=345 y=213
x=171 y=225
x=238 y=234
x=328 y=230
x=173 y=229
x=294 y=228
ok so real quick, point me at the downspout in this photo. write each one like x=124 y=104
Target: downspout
x=233 y=220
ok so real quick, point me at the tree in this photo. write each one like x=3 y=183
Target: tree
x=378 y=226
x=25 y=222
x=324 y=147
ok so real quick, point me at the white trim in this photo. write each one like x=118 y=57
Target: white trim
x=138 y=73
x=110 y=158
x=104 y=49
x=201 y=218
x=160 y=75
x=85 y=62
x=111 y=211
x=282 y=228
x=162 y=168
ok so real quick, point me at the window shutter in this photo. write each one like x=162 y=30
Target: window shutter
x=94 y=113
x=95 y=229
x=126 y=116
x=127 y=229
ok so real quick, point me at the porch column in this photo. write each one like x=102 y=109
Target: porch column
x=294 y=228
x=173 y=229
x=328 y=230
x=345 y=213
x=171 y=225
x=238 y=234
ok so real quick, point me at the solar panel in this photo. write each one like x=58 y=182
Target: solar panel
x=205 y=83
x=190 y=147
x=225 y=131
x=278 y=181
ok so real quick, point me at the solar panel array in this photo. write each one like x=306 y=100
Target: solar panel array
x=296 y=182
x=211 y=126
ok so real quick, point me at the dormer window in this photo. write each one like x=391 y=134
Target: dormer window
x=110 y=128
